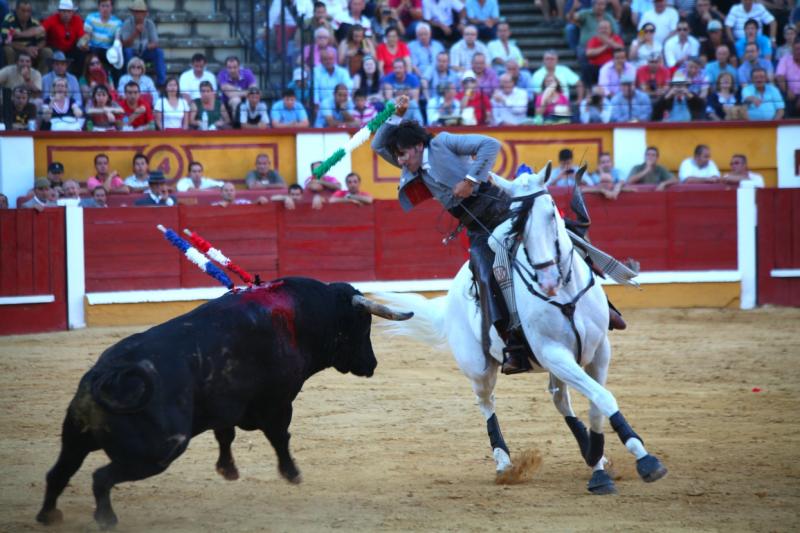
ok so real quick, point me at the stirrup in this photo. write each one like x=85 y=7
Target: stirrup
x=515 y=356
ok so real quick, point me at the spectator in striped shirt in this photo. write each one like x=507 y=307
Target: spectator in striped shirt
x=101 y=27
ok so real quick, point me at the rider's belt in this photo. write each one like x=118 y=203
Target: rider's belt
x=489 y=205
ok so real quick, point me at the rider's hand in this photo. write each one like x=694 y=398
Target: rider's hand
x=463 y=189
x=401 y=105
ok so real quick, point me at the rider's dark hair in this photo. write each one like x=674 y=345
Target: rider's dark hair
x=407 y=135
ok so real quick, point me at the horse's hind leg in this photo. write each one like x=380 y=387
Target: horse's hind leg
x=75 y=446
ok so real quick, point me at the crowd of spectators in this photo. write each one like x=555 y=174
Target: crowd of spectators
x=670 y=60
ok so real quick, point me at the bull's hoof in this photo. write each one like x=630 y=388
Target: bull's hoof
x=650 y=468
x=601 y=483
x=229 y=472
x=53 y=516
x=291 y=473
x=105 y=519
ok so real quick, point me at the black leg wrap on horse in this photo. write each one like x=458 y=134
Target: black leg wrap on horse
x=597 y=442
x=622 y=428
x=580 y=434
x=495 y=437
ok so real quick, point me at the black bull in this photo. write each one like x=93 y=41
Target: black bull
x=239 y=360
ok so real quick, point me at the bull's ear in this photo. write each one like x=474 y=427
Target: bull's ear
x=380 y=310
x=544 y=175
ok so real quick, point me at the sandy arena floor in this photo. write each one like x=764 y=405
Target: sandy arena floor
x=715 y=394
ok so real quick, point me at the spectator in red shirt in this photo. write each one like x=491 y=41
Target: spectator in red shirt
x=65 y=32
x=410 y=13
x=600 y=50
x=472 y=97
x=390 y=49
x=653 y=78
x=137 y=110
x=353 y=194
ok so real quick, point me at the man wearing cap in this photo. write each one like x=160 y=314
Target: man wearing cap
x=299 y=84
x=102 y=26
x=252 y=113
x=60 y=65
x=65 y=32
x=288 y=112
x=22 y=74
x=140 y=39
x=41 y=193
x=679 y=102
x=20 y=32
x=55 y=176
x=702 y=17
x=234 y=81
x=630 y=104
x=158 y=193
x=471 y=97
x=716 y=38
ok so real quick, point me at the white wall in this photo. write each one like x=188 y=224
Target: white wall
x=318 y=147
x=787 y=150
x=16 y=167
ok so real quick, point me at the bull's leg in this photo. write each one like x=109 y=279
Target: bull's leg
x=225 y=465
x=106 y=477
x=75 y=446
x=276 y=428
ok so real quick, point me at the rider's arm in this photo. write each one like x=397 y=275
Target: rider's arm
x=483 y=148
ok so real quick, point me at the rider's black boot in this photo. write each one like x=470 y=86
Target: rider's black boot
x=515 y=354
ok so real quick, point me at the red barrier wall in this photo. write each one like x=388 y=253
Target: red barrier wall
x=33 y=262
x=778 y=245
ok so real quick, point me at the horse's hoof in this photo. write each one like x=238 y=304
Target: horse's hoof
x=53 y=516
x=105 y=519
x=502 y=461
x=229 y=472
x=601 y=483
x=650 y=468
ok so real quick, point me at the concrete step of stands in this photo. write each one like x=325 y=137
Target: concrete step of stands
x=186 y=24
x=533 y=34
x=183 y=48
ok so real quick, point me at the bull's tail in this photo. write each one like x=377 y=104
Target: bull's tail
x=125 y=389
x=428 y=324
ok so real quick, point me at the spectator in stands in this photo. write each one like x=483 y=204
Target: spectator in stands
x=607 y=180
x=385 y=17
x=286 y=113
x=752 y=34
x=445 y=109
x=300 y=84
x=509 y=103
x=98 y=198
x=650 y=172
x=630 y=104
x=55 y=175
x=485 y=75
x=293 y=196
x=644 y=45
x=679 y=103
x=363 y=110
x=354 y=49
x=423 y=50
x=195 y=181
x=719 y=65
x=320 y=18
x=264 y=177
x=191 y=80
x=699 y=168
x=140 y=39
x=788 y=79
x=352 y=194
x=20 y=32
x=21 y=113
x=234 y=81
x=605 y=165
x=343 y=20
x=439 y=14
x=328 y=75
x=701 y=17
x=3 y=201
x=228 y=193
x=102 y=26
x=401 y=78
x=437 y=78
x=567 y=78
x=102 y=111
x=136 y=74
x=522 y=77
x=337 y=111
x=157 y=194
x=94 y=74
x=665 y=20
x=750 y=62
x=600 y=49
x=137 y=111
x=322 y=41
x=472 y=98
x=138 y=181
x=462 y=52
x=60 y=110
x=109 y=181
x=595 y=108
x=740 y=174
x=716 y=38
x=390 y=50
x=612 y=72
x=583 y=25
x=484 y=15
x=409 y=12
x=65 y=33
x=71 y=191
x=680 y=47
x=368 y=79
x=564 y=174
x=789 y=36
x=414 y=111
x=551 y=104
x=41 y=196
x=172 y=112
x=60 y=64
x=723 y=103
x=503 y=48
x=763 y=100
x=208 y=111
x=698 y=81
x=321 y=189
x=741 y=13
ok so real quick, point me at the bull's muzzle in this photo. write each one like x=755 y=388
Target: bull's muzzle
x=380 y=310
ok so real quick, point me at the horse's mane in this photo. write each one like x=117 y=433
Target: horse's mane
x=519 y=216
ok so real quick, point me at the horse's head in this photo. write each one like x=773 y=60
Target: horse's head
x=537 y=220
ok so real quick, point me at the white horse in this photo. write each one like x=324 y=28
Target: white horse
x=564 y=314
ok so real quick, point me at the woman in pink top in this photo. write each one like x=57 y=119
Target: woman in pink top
x=390 y=49
x=552 y=101
x=110 y=181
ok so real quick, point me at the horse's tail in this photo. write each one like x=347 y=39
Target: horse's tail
x=428 y=324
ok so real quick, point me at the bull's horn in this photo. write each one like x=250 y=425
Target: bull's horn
x=379 y=309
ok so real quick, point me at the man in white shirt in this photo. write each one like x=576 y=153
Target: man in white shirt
x=509 y=103
x=461 y=53
x=699 y=168
x=503 y=48
x=195 y=181
x=565 y=75
x=741 y=13
x=439 y=14
x=680 y=47
x=664 y=18
x=139 y=180
x=191 y=79
x=740 y=174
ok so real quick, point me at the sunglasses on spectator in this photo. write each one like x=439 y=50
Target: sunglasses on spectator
x=136 y=66
x=649 y=30
x=683 y=28
x=95 y=62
